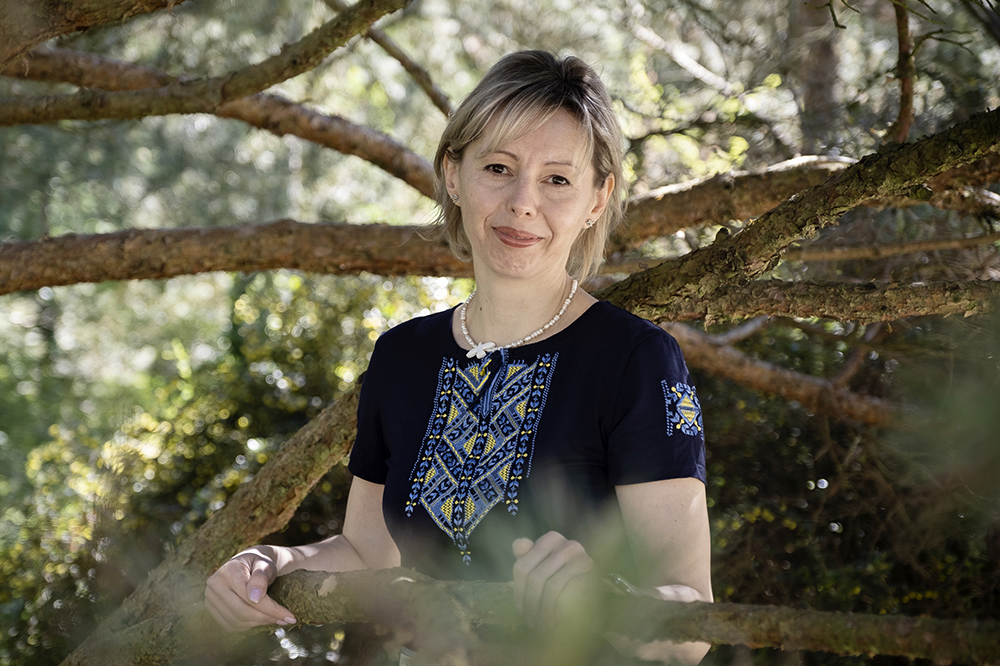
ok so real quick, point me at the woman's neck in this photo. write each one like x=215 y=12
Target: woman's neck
x=504 y=311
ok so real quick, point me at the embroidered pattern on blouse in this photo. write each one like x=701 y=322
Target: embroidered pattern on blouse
x=479 y=441
x=683 y=409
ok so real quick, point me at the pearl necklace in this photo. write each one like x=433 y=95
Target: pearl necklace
x=481 y=349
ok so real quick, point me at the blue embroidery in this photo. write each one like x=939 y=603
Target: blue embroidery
x=683 y=409
x=479 y=440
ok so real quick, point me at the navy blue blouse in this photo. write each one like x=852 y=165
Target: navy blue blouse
x=475 y=453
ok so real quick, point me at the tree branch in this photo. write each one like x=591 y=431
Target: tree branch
x=86 y=70
x=843 y=302
x=819 y=396
x=267 y=111
x=873 y=333
x=872 y=252
x=409 y=602
x=347 y=249
x=420 y=75
x=335 y=249
x=201 y=95
x=896 y=170
x=686 y=62
x=27 y=23
x=741 y=332
x=741 y=195
x=261 y=506
x=737 y=195
x=986 y=15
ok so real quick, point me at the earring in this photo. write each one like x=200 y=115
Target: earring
x=589 y=223
x=454 y=198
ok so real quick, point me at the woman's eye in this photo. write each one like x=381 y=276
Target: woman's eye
x=559 y=180
x=498 y=169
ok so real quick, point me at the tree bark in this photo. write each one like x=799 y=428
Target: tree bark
x=819 y=396
x=335 y=249
x=27 y=23
x=833 y=300
x=720 y=199
x=261 y=506
x=414 y=605
x=201 y=95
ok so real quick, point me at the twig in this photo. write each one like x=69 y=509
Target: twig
x=420 y=75
x=692 y=66
x=833 y=12
x=873 y=332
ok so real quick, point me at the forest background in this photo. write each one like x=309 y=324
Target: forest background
x=848 y=370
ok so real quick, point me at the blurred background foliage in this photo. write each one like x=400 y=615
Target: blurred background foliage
x=129 y=412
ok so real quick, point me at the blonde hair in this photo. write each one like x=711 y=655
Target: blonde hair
x=522 y=91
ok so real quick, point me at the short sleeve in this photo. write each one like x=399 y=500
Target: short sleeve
x=370 y=454
x=657 y=431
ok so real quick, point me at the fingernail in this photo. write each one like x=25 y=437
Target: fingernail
x=283 y=623
x=255 y=595
x=289 y=620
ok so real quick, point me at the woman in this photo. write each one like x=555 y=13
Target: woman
x=517 y=434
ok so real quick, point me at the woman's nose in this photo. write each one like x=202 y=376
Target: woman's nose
x=523 y=198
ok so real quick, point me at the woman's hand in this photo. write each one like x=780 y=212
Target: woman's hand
x=236 y=594
x=551 y=575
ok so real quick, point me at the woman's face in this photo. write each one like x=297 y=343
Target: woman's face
x=524 y=204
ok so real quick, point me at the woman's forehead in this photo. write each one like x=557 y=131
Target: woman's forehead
x=568 y=141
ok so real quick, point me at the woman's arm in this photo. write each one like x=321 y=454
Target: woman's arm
x=236 y=594
x=667 y=526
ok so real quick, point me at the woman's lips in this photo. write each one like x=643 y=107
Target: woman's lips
x=514 y=237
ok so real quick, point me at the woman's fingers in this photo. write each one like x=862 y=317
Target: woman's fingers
x=544 y=570
x=566 y=588
x=522 y=546
x=236 y=594
x=676 y=593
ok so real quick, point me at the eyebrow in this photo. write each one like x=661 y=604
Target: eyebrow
x=515 y=157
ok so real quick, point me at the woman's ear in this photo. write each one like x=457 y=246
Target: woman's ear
x=602 y=197
x=450 y=176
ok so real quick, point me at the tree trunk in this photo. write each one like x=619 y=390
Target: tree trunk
x=261 y=506
x=815 y=61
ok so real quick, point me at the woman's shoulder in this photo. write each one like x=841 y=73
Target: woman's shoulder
x=416 y=333
x=611 y=324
